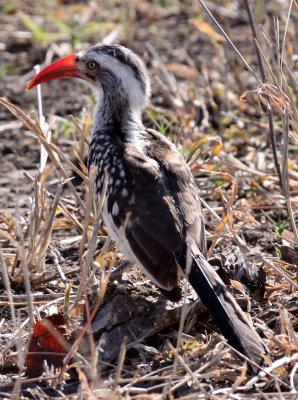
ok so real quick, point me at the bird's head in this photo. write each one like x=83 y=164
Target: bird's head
x=114 y=70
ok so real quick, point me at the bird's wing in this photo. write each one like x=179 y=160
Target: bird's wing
x=154 y=229
x=181 y=185
x=164 y=207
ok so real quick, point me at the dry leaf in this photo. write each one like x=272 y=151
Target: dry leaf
x=238 y=286
x=47 y=343
x=182 y=70
x=207 y=29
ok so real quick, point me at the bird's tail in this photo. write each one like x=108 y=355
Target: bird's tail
x=226 y=312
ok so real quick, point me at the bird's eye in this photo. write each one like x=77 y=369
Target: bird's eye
x=91 y=64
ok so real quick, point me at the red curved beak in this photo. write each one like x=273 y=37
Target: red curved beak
x=66 y=67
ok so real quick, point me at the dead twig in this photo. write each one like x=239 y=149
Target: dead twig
x=263 y=77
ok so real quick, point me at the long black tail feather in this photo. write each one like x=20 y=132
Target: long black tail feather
x=223 y=307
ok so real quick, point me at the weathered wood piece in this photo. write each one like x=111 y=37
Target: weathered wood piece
x=135 y=309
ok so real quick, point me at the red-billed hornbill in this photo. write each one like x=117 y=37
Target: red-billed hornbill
x=151 y=191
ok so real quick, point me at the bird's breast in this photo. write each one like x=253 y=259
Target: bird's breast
x=105 y=161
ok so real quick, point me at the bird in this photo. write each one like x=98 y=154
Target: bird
x=152 y=203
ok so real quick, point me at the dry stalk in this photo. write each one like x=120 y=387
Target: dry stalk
x=36 y=260
x=269 y=371
x=43 y=124
x=293 y=374
x=22 y=352
x=178 y=358
x=6 y=280
x=285 y=176
x=184 y=365
x=148 y=377
x=287 y=327
x=83 y=289
x=92 y=245
x=70 y=216
x=83 y=130
x=238 y=381
x=15 y=338
x=120 y=362
x=36 y=212
x=21 y=363
x=284 y=41
x=34 y=126
x=282 y=102
x=263 y=77
x=197 y=373
x=203 y=4
x=86 y=266
x=55 y=255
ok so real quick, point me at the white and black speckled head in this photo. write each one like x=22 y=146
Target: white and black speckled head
x=117 y=70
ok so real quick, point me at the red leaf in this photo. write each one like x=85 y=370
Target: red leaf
x=47 y=343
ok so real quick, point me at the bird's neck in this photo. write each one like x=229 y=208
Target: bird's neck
x=114 y=115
